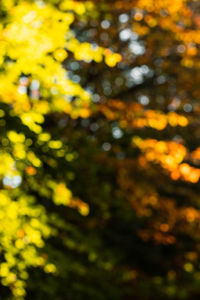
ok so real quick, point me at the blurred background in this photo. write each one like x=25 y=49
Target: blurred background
x=99 y=150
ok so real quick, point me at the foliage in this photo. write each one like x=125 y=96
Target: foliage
x=99 y=162
x=35 y=40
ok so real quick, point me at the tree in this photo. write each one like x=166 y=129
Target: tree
x=35 y=88
x=95 y=180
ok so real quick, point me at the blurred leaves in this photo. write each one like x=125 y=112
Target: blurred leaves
x=99 y=149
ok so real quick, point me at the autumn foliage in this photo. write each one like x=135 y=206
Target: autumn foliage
x=99 y=149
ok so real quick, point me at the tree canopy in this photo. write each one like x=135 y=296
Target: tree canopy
x=99 y=149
